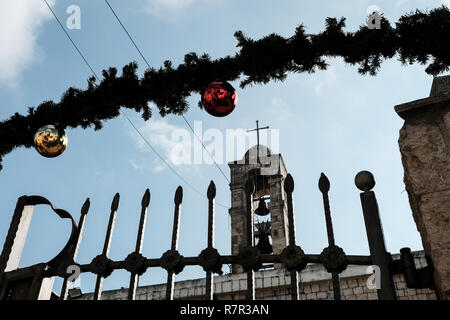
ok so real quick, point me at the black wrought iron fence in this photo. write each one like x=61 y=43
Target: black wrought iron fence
x=27 y=283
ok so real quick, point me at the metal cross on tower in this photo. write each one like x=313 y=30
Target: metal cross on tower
x=257 y=137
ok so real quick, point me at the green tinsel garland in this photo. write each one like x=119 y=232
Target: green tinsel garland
x=417 y=37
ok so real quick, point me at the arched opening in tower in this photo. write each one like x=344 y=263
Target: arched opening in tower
x=262 y=221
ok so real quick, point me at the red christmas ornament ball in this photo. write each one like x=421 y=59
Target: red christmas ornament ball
x=219 y=99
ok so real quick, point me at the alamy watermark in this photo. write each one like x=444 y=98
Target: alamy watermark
x=187 y=147
x=74 y=279
x=74 y=19
x=374 y=280
x=374 y=19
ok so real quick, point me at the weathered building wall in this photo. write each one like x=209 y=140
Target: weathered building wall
x=425 y=148
x=314 y=284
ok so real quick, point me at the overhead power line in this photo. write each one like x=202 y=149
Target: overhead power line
x=123 y=113
x=148 y=65
x=73 y=43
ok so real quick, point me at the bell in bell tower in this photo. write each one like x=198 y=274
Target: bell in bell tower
x=267 y=171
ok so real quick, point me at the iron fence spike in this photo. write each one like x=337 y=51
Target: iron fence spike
x=115 y=202
x=324 y=183
x=85 y=207
x=289 y=183
x=211 y=190
x=178 y=195
x=146 y=198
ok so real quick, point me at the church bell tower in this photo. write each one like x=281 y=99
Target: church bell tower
x=267 y=171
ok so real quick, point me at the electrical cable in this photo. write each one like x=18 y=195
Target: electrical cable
x=148 y=65
x=123 y=113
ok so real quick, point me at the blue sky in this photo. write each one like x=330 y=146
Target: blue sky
x=335 y=121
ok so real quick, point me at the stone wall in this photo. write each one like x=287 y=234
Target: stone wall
x=425 y=148
x=314 y=284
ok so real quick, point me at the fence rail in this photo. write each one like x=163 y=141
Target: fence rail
x=292 y=257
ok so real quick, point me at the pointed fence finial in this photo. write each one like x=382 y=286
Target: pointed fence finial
x=146 y=198
x=115 y=202
x=178 y=195
x=211 y=190
x=324 y=183
x=85 y=207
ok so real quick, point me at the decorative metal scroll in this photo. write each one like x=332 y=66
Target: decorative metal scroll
x=15 y=240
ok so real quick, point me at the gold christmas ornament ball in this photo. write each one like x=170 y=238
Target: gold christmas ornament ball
x=50 y=142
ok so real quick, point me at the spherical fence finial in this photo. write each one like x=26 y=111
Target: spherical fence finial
x=365 y=181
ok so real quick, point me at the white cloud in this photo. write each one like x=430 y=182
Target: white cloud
x=171 y=9
x=20 y=23
x=280 y=110
x=159 y=133
x=158 y=165
x=374 y=8
x=167 y=8
x=399 y=3
x=136 y=166
x=329 y=76
x=171 y=4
